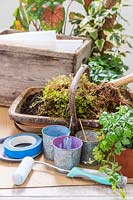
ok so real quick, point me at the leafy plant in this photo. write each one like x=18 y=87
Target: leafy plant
x=116 y=135
x=106 y=67
x=100 y=24
x=41 y=14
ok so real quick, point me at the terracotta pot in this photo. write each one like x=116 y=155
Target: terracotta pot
x=126 y=161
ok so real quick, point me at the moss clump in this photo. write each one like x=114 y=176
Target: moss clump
x=55 y=98
x=91 y=99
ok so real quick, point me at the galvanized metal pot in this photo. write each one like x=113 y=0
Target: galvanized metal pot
x=67 y=152
x=88 y=146
x=48 y=134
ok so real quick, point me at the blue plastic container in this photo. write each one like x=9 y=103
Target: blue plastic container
x=48 y=134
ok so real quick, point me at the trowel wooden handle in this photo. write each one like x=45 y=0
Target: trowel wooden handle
x=124 y=80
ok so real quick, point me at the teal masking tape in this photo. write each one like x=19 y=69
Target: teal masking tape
x=22 y=145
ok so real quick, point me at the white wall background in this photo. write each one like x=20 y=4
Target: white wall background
x=8 y=6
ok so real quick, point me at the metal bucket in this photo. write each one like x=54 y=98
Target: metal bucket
x=67 y=152
x=88 y=146
x=48 y=134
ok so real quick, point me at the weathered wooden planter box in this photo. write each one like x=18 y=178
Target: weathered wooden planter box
x=22 y=67
x=34 y=123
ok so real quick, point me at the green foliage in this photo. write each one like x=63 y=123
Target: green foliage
x=41 y=14
x=55 y=99
x=91 y=99
x=106 y=67
x=101 y=25
x=117 y=134
x=92 y=24
x=117 y=128
x=96 y=25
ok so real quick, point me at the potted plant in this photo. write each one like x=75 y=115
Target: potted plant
x=101 y=24
x=116 y=142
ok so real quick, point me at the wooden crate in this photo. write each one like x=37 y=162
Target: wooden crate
x=35 y=123
x=22 y=67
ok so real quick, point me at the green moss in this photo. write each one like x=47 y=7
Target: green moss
x=91 y=99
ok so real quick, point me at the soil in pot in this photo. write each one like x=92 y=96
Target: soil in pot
x=26 y=107
x=126 y=161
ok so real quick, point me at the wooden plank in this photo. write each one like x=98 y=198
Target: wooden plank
x=18 y=72
x=32 y=65
x=34 y=73
x=35 y=51
x=64 y=198
x=63 y=193
x=40 y=51
x=82 y=54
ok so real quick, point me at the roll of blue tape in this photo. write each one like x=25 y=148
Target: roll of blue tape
x=22 y=145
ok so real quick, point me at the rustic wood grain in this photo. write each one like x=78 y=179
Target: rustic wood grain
x=23 y=67
x=64 y=193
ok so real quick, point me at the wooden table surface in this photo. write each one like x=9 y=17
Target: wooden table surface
x=99 y=192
